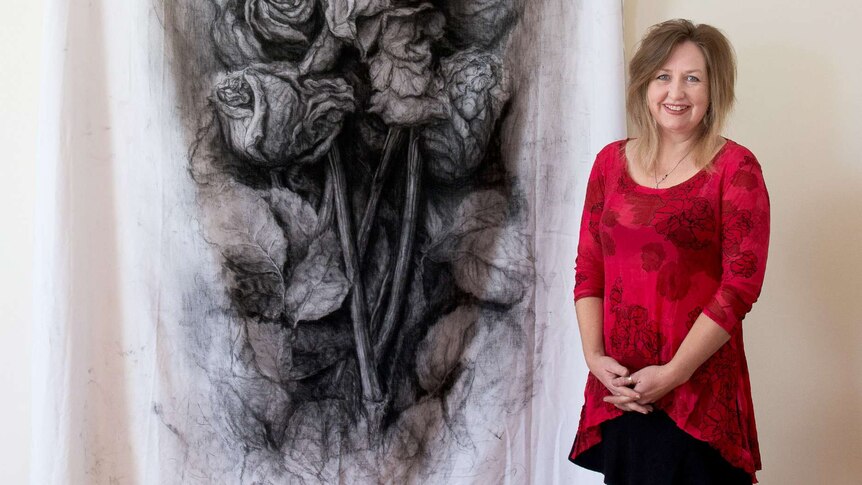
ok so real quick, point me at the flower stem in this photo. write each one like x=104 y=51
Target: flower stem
x=367 y=370
x=405 y=246
x=393 y=141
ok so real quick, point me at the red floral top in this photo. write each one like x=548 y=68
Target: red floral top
x=660 y=258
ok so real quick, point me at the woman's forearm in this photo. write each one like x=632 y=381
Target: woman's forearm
x=702 y=341
x=590 y=320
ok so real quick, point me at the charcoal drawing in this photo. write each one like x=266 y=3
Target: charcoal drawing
x=374 y=255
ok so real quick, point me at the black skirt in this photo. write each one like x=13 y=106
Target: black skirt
x=638 y=449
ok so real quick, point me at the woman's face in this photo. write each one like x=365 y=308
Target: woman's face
x=678 y=94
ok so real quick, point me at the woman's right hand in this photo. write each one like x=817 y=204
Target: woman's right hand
x=606 y=369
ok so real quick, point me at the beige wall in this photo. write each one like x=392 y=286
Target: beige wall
x=799 y=99
x=20 y=44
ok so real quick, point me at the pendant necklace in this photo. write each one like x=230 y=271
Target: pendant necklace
x=655 y=172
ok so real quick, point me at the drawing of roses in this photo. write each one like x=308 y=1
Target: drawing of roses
x=333 y=125
x=275 y=121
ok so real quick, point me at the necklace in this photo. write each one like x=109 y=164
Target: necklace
x=655 y=172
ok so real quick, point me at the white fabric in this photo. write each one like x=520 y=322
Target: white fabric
x=119 y=247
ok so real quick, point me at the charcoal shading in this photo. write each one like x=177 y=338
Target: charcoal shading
x=371 y=243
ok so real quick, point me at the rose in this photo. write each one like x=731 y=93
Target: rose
x=686 y=222
x=408 y=91
x=745 y=265
x=403 y=63
x=288 y=26
x=737 y=226
x=633 y=336
x=477 y=88
x=263 y=31
x=479 y=23
x=652 y=255
x=280 y=120
x=236 y=44
x=349 y=20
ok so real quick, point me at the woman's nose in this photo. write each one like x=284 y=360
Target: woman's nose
x=675 y=89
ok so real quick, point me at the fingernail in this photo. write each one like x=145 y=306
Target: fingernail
x=638 y=396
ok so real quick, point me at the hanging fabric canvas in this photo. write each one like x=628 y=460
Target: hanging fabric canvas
x=317 y=241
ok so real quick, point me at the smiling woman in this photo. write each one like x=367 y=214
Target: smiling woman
x=671 y=257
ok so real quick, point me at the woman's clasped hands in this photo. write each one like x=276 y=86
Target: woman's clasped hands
x=636 y=391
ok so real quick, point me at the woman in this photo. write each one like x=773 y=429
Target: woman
x=671 y=257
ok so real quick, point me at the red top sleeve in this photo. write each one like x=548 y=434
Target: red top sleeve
x=589 y=263
x=744 y=243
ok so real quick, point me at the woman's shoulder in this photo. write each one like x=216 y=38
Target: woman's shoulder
x=733 y=155
x=613 y=149
x=739 y=167
x=611 y=155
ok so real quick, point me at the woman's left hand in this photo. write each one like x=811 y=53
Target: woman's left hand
x=652 y=383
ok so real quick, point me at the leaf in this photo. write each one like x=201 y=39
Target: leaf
x=297 y=217
x=272 y=350
x=253 y=246
x=440 y=353
x=477 y=211
x=480 y=210
x=317 y=286
x=494 y=265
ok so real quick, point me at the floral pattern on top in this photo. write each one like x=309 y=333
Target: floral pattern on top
x=671 y=255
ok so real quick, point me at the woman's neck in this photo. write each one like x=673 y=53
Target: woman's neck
x=672 y=148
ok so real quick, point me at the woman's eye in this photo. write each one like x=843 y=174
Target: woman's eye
x=663 y=77
x=692 y=79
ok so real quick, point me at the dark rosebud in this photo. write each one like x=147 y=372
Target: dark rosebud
x=479 y=23
x=477 y=88
x=281 y=120
x=288 y=26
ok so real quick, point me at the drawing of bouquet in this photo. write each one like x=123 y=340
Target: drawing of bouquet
x=352 y=185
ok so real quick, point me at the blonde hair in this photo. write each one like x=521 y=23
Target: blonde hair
x=652 y=53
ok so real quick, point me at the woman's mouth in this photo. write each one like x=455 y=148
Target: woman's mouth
x=676 y=109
